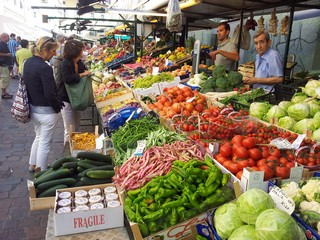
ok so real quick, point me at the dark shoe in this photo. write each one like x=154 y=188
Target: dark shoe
x=7 y=96
x=15 y=77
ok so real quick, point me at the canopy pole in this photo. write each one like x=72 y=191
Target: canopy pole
x=286 y=52
x=240 y=35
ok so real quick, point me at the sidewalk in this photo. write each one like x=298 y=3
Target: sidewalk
x=17 y=222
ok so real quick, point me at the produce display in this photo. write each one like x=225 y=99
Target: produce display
x=88 y=168
x=147 y=81
x=165 y=201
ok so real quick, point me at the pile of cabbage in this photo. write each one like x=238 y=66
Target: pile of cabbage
x=297 y=115
x=254 y=216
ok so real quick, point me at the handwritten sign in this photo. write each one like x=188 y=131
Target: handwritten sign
x=282 y=200
x=281 y=143
x=140 y=148
x=296 y=143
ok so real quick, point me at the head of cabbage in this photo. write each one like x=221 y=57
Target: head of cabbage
x=285 y=104
x=286 y=122
x=275 y=112
x=277 y=224
x=302 y=125
x=299 y=97
x=314 y=107
x=226 y=220
x=310 y=88
x=245 y=232
x=259 y=109
x=251 y=203
x=299 y=111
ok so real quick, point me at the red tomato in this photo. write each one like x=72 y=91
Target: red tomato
x=261 y=162
x=243 y=164
x=268 y=172
x=239 y=175
x=226 y=150
x=227 y=163
x=235 y=146
x=290 y=164
x=251 y=162
x=283 y=161
x=249 y=142
x=254 y=168
x=237 y=139
x=265 y=153
x=233 y=168
x=275 y=152
x=254 y=153
x=283 y=172
x=242 y=152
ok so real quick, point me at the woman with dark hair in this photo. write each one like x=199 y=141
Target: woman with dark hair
x=45 y=104
x=72 y=70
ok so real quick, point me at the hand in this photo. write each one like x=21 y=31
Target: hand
x=87 y=73
x=213 y=54
x=249 y=80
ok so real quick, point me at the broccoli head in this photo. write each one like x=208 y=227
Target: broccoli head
x=222 y=82
x=234 y=78
x=219 y=71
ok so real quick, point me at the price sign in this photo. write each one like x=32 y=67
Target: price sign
x=282 y=200
x=281 y=143
x=296 y=143
x=140 y=148
x=155 y=70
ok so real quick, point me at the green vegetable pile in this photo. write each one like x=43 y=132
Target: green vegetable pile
x=221 y=81
x=244 y=99
x=190 y=188
x=147 y=81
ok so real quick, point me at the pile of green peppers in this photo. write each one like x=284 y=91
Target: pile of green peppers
x=190 y=188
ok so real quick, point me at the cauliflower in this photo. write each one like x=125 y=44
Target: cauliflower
x=293 y=191
x=312 y=190
x=310 y=206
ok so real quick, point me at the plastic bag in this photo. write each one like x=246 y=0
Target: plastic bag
x=174 y=17
x=245 y=37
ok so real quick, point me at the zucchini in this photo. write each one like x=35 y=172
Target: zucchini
x=96 y=163
x=95 y=156
x=100 y=174
x=46 y=185
x=58 y=162
x=55 y=174
x=80 y=169
x=91 y=181
x=77 y=184
x=51 y=191
x=70 y=165
x=106 y=167
x=85 y=165
x=38 y=174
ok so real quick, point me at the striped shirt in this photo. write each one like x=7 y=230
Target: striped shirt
x=12 y=45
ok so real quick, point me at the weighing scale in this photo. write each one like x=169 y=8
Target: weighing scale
x=196 y=56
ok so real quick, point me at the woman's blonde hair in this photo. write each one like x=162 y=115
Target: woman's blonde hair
x=45 y=44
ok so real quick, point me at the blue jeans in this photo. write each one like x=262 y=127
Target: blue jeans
x=44 y=128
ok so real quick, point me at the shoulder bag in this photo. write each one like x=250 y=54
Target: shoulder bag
x=20 y=107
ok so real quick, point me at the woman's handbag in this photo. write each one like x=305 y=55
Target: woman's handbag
x=80 y=94
x=20 y=107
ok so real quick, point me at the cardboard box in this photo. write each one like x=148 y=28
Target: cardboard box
x=142 y=92
x=38 y=203
x=87 y=221
x=252 y=179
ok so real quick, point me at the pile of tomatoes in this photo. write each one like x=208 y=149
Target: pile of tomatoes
x=243 y=151
x=309 y=157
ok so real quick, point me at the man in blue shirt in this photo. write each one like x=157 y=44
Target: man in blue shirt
x=13 y=46
x=268 y=65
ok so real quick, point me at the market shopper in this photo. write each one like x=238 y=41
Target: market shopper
x=23 y=54
x=5 y=64
x=226 y=53
x=13 y=46
x=56 y=60
x=45 y=104
x=72 y=70
x=268 y=65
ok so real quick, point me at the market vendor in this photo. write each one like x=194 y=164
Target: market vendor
x=226 y=54
x=268 y=65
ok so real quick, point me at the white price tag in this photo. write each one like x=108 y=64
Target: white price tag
x=155 y=70
x=140 y=148
x=318 y=91
x=132 y=114
x=281 y=143
x=296 y=143
x=211 y=147
x=282 y=200
x=190 y=99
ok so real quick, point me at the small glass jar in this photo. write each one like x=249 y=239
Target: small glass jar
x=94 y=192
x=64 y=195
x=95 y=199
x=112 y=197
x=113 y=204
x=80 y=201
x=81 y=193
x=64 y=203
x=81 y=208
x=64 y=210
x=110 y=189
x=96 y=206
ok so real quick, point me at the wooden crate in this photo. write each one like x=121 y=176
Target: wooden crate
x=38 y=203
x=126 y=96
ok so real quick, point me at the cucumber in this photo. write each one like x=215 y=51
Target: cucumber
x=95 y=156
x=100 y=174
x=70 y=165
x=106 y=167
x=86 y=165
x=58 y=162
x=80 y=169
x=78 y=183
x=51 y=191
x=55 y=174
x=91 y=181
x=97 y=163
x=38 y=174
x=46 y=185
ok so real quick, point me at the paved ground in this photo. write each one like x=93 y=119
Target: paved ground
x=17 y=222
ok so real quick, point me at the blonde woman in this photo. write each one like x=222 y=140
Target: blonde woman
x=45 y=104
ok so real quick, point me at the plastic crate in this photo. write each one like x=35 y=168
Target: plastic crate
x=284 y=92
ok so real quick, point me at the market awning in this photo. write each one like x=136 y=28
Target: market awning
x=10 y=25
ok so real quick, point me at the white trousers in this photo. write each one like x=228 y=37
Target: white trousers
x=44 y=128
x=70 y=117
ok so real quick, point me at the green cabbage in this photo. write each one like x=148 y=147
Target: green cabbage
x=275 y=112
x=316 y=135
x=251 y=203
x=299 y=97
x=304 y=124
x=286 y=122
x=316 y=120
x=299 y=111
x=259 y=109
x=285 y=104
x=314 y=107
x=245 y=232
x=277 y=224
x=310 y=87
x=226 y=220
